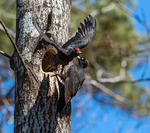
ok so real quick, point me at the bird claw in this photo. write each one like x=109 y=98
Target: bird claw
x=60 y=75
x=55 y=74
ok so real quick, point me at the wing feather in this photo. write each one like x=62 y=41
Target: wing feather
x=84 y=34
x=83 y=28
x=67 y=92
x=57 y=46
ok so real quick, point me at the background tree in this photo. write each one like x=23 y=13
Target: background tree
x=115 y=43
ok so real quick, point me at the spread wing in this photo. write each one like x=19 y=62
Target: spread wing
x=57 y=46
x=84 y=34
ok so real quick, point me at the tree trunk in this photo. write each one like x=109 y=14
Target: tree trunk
x=37 y=92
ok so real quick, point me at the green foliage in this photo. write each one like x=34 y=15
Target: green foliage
x=115 y=39
x=7 y=12
x=114 y=24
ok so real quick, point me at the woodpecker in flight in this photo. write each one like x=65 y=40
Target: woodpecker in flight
x=75 y=77
x=72 y=47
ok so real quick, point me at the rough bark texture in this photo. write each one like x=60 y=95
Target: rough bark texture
x=37 y=93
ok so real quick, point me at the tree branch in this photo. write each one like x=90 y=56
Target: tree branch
x=9 y=101
x=12 y=33
x=103 y=10
x=3 y=99
x=14 y=45
x=116 y=79
x=135 y=81
x=130 y=12
x=95 y=12
x=108 y=91
x=4 y=54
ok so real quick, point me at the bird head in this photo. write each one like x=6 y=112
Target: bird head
x=78 y=51
x=83 y=62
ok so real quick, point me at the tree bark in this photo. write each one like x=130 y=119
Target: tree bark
x=37 y=92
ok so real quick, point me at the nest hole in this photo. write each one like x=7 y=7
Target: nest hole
x=46 y=61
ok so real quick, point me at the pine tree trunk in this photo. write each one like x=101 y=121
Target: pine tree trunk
x=37 y=92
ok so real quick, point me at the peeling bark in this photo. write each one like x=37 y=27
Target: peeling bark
x=37 y=92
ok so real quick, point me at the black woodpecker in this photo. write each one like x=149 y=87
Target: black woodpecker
x=75 y=77
x=72 y=47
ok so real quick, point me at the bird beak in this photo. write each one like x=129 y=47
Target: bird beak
x=79 y=52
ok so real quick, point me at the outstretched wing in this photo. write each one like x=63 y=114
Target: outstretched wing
x=57 y=46
x=84 y=34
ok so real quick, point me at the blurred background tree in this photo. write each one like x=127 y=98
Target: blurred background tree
x=115 y=49
x=8 y=15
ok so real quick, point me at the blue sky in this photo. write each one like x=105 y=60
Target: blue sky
x=143 y=10
x=98 y=118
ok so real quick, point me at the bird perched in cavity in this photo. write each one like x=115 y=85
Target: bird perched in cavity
x=72 y=47
x=75 y=77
